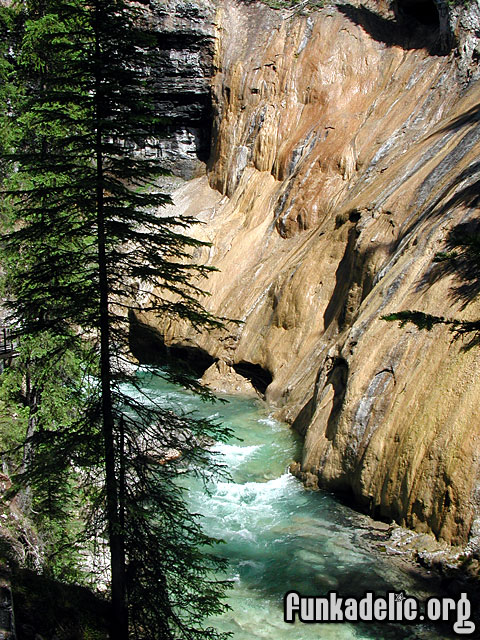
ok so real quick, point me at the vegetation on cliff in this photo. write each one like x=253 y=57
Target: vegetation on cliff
x=295 y=4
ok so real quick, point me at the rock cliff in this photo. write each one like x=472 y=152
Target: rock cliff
x=345 y=150
x=186 y=41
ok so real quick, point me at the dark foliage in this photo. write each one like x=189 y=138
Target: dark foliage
x=86 y=247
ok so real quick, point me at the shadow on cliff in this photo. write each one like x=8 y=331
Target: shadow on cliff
x=463 y=189
x=353 y=281
x=460 y=259
x=469 y=117
x=460 y=256
x=405 y=31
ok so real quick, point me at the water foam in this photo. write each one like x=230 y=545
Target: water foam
x=234 y=455
x=279 y=536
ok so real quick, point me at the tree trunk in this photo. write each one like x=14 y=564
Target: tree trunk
x=119 y=619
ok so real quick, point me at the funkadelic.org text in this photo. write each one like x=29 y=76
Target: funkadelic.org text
x=393 y=607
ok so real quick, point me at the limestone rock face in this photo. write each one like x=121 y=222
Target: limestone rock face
x=344 y=153
x=186 y=42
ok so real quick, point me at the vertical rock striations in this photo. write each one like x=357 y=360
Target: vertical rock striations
x=344 y=152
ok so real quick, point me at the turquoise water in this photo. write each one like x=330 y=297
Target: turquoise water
x=281 y=537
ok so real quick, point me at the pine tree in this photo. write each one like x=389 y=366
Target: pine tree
x=85 y=239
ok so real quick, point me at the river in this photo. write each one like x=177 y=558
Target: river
x=281 y=537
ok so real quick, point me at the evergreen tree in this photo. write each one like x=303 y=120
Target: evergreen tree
x=85 y=240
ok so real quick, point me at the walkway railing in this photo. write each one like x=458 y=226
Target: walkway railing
x=7 y=344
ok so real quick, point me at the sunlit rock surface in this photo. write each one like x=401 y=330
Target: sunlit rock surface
x=344 y=151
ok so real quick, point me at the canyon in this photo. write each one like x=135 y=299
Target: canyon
x=329 y=155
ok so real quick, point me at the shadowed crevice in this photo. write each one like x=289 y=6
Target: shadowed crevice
x=415 y=26
x=423 y=11
x=353 y=282
x=259 y=377
x=338 y=378
x=148 y=346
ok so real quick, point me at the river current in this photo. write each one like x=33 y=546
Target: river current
x=279 y=536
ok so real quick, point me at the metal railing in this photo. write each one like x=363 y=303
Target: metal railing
x=7 y=346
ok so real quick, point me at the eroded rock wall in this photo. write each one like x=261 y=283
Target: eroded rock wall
x=345 y=150
x=186 y=42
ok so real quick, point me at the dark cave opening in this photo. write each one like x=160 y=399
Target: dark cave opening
x=194 y=359
x=148 y=346
x=258 y=376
